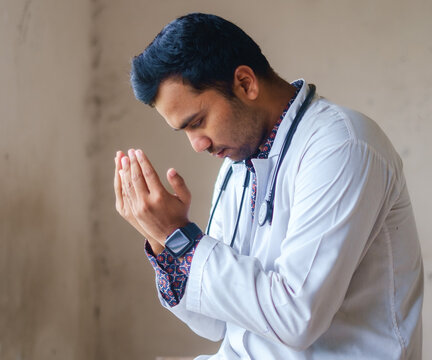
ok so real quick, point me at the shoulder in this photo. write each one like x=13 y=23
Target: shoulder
x=330 y=125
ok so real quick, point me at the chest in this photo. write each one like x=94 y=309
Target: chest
x=262 y=242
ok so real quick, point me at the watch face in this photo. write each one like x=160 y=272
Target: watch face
x=177 y=242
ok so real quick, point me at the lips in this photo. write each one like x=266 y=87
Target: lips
x=223 y=153
x=220 y=154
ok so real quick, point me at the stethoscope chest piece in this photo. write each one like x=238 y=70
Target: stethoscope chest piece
x=265 y=212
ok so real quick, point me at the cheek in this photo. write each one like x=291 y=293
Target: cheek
x=228 y=125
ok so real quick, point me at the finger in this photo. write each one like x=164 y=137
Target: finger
x=126 y=179
x=179 y=186
x=150 y=175
x=128 y=209
x=137 y=177
x=117 y=180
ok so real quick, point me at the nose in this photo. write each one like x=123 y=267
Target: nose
x=199 y=142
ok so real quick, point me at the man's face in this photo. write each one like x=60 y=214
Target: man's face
x=225 y=128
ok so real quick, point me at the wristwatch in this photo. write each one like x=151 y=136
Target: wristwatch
x=182 y=239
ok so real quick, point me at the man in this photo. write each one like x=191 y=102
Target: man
x=312 y=251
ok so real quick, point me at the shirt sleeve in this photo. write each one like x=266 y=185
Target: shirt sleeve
x=171 y=273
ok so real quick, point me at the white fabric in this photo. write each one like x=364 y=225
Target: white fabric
x=338 y=274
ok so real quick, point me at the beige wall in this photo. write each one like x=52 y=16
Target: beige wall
x=74 y=282
x=45 y=264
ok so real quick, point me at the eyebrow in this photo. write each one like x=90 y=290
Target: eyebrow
x=187 y=121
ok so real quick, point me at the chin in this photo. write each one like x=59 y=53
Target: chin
x=241 y=156
x=236 y=159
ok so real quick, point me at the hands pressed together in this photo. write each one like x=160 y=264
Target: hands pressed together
x=143 y=201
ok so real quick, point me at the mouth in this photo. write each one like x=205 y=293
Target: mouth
x=220 y=154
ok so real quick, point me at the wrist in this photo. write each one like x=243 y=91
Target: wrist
x=156 y=247
x=175 y=227
x=182 y=239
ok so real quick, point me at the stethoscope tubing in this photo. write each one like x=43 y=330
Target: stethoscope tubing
x=266 y=208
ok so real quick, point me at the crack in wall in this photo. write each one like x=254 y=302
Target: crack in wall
x=23 y=24
x=94 y=105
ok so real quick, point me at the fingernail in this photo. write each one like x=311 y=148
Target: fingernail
x=124 y=161
x=139 y=154
x=118 y=153
x=131 y=153
x=172 y=172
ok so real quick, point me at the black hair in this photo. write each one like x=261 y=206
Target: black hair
x=203 y=50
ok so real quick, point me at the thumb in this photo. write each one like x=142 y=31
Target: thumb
x=179 y=186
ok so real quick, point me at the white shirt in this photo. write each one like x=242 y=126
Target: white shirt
x=337 y=275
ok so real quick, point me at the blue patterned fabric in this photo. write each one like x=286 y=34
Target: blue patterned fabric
x=171 y=273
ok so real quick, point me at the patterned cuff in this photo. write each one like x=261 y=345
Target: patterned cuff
x=171 y=273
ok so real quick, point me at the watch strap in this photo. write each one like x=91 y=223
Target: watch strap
x=191 y=230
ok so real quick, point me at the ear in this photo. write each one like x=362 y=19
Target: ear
x=245 y=84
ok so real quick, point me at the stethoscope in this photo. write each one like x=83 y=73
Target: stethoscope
x=266 y=209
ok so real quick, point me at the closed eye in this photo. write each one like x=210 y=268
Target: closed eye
x=196 y=124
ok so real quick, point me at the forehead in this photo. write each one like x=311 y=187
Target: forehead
x=180 y=103
x=176 y=101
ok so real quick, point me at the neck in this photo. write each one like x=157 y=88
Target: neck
x=275 y=96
